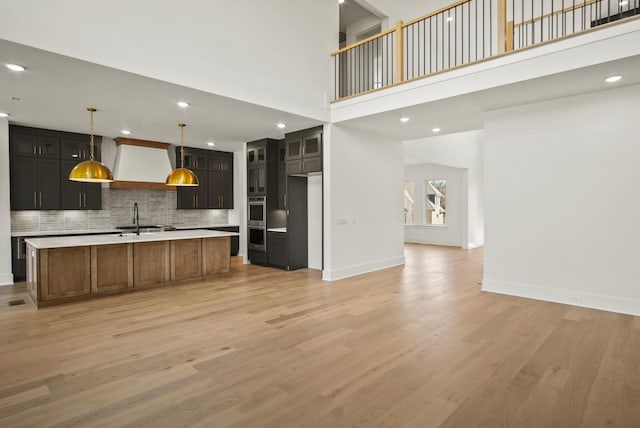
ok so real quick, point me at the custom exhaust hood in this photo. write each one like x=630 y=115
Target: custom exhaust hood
x=141 y=164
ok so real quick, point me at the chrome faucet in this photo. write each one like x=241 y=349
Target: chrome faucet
x=136 y=217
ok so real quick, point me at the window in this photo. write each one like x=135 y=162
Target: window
x=409 y=202
x=436 y=201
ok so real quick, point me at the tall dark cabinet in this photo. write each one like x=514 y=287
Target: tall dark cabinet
x=40 y=162
x=278 y=170
x=214 y=170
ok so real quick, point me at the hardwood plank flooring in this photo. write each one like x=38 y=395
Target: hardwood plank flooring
x=412 y=346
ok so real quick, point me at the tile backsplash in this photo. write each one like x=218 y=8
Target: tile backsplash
x=155 y=207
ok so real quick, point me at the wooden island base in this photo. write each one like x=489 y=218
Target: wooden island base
x=62 y=275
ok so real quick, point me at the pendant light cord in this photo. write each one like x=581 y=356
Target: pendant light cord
x=181 y=125
x=91 y=110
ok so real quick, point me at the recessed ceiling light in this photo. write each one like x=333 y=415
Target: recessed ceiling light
x=125 y=132
x=404 y=119
x=4 y=114
x=340 y=1
x=612 y=79
x=450 y=18
x=281 y=125
x=15 y=67
x=211 y=144
x=435 y=130
x=183 y=104
x=623 y=3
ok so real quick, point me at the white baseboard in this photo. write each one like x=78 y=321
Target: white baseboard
x=472 y=245
x=568 y=297
x=6 y=279
x=432 y=242
x=347 y=272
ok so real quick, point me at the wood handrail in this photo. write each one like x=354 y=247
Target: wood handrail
x=362 y=42
x=546 y=15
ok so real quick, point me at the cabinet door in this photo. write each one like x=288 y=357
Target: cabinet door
x=24 y=185
x=221 y=163
x=64 y=272
x=49 y=184
x=92 y=196
x=257 y=154
x=312 y=145
x=294 y=149
x=71 y=191
x=257 y=180
x=226 y=191
x=193 y=158
x=294 y=167
x=194 y=197
x=313 y=164
x=35 y=145
x=277 y=249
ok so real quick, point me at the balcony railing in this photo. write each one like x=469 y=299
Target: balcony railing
x=464 y=33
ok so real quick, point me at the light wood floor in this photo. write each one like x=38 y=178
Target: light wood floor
x=412 y=346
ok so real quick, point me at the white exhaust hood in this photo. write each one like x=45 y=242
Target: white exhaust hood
x=141 y=164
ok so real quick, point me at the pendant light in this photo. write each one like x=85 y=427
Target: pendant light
x=91 y=171
x=182 y=176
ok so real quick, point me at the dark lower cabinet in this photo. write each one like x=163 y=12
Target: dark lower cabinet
x=277 y=249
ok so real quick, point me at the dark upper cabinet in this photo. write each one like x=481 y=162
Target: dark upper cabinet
x=282 y=176
x=214 y=170
x=256 y=180
x=30 y=143
x=220 y=190
x=78 y=148
x=304 y=151
x=41 y=160
x=35 y=183
x=257 y=154
x=193 y=158
x=76 y=195
x=221 y=162
x=195 y=197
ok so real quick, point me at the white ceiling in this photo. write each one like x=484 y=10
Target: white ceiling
x=55 y=91
x=351 y=12
x=466 y=112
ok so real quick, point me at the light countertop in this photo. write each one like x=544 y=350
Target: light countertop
x=204 y=226
x=64 y=232
x=80 y=241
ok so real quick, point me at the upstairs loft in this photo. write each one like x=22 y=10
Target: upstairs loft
x=465 y=33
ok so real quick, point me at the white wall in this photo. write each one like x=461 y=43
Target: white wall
x=452 y=232
x=462 y=150
x=553 y=170
x=6 y=274
x=363 y=202
x=238 y=214
x=251 y=50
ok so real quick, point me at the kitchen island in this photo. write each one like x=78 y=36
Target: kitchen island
x=64 y=269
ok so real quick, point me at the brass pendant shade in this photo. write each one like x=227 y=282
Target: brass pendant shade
x=91 y=171
x=182 y=176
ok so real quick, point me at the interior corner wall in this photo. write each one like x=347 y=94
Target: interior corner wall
x=456 y=214
x=561 y=200
x=6 y=273
x=363 y=179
